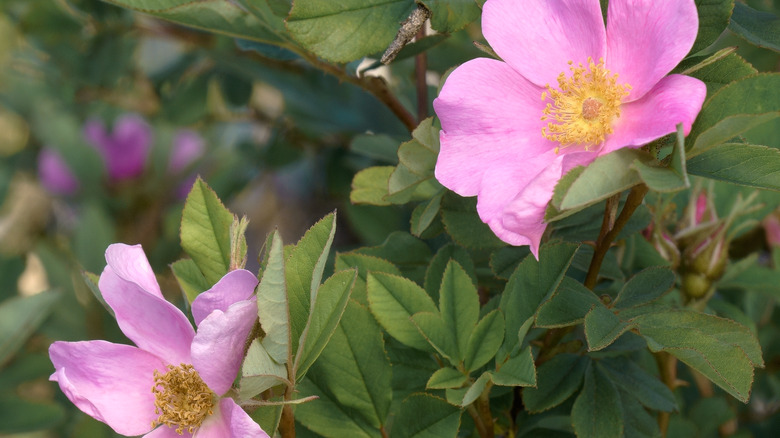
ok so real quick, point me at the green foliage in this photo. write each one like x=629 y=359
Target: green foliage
x=737 y=163
x=713 y=19
x=759 y=28
x=441 y=419
x=20 y=317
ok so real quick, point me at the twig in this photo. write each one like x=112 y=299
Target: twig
x=420 y=68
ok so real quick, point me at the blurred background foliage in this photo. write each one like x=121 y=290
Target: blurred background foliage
x=283 y=141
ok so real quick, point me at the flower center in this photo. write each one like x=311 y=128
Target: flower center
x=584 y=105
x=182 y=399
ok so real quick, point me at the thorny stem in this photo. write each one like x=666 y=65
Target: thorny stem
x=287 y=422
x=605 y=240
x=420 y=68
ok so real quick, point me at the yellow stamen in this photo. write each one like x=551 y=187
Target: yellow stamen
x=584 y=106
x=182 y=400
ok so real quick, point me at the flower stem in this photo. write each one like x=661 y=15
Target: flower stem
x=610 y=229
x=287 y=422
x=667 y=367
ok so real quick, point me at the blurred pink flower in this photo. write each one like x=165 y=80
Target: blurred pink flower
x=125 y=149
x=55 y=174
x=188 y=147
x=508 y=135
x=175 y=378
x=772 y=229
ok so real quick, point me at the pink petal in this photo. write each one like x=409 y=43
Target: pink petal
x=218 y=347
x=55 y=174
x=167 y=432
x=539 y=37
x=490 y=118
x=230 y=421
x=772 y=230
x=675 y=99
x=129 y=263
x=523 y=218
x=152 y=323
x=128 y=147
x=238 y=285
x=110 y=382
x=95 y=134
x=647 y=38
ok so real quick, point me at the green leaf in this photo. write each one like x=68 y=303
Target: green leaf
x=18 y=415
x=408 y=253
x=92 y=281
x=329 y=304
x=355 y=367
x=205 y=231
x=604 y=177
x=568 y=305
x=459 y=305
x=219 y=16
x=647 y=389
x=303 y=273
x=20 y=317
x=259 y=371
x=730 y=111
x=485 y=341
x=451 y=15
x=445 y=378
x=393 y=300
x=719 y=69
x=557 y=379
x=530 y=285
x=517 y=371
x=433 y=328
x=602 y=328
x=760 y=28
x=416 y=161
x=476 y=389
x=424 y=215
x=94 y=232
x=462 y=222
x=440 y=420
x=190 y=279
x=636 y=420
x=435 y=272
x=667 y=179
x=347 y=30
x=504 y=261
x=737 y=163
x=713 y=19
x=378 y=146
x=326 y=416
x=364 y=264
x=369 y=186
x=597 y=411
x=722 y=350
x=644 y=287
x=272 y=305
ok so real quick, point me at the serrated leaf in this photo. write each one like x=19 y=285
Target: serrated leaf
x=568 y=305
x=597 y=412
x=441 y=419
x=647 y=389
x=393 y=300
x=369 y=186
x=556 y=380
x=433 y=328
x=530 y=285
x=92 y=281
x=408 y=253
x=602 y=327
x=259 y=371
x=667 y=179
x=458 y=305
x=517 y=371
x=378 y=146
x=445 y=378
x=327 y=417
x=713 y=19
x=272 y=305
x=719 y=69
x=451 y=15
x=504 y=261
x=728 y=112
x=435 y=272
x=190 y=279
x=205 y=231
x=645 y=286
x=326 y=311
x=722 y=350
x=219 y=16
x=737 y=163
x=364 y=264
x=355 y=369
x=347 y=30
x=760 y=28
x=637 y=422
x=462 y=223
x=476 y=389
x=424 y=214
x=303 y=273
x=20 y=317
x=485 y=341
